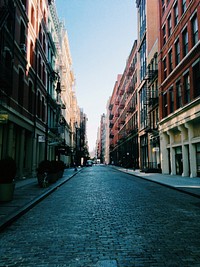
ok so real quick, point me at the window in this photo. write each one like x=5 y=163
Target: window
x=163 y=6
x=194 y=30
x=171 y=96
x=31 y=54
x=196 y=79
x=40 y=34
x=169 y=23
x=30 y=97
x=44 y=74
x=24 y=3
x=185 y=42
x=164 y=34
x=33 y=17
x=177 y=52
x=143 y=60
x=187 y=88
x=142 y=11
x=170 y=61
x=178 y=95
x=43 y=109
x=165 y=68
x=165 y=106
x=38 y=105
x=183 y=6
x=22 y=33
x=44 y=43
x=175 y=14
x=40 y=67
x=21 y=87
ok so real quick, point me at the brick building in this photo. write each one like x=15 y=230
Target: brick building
x=36 y=98
x=124 y=115
x=179 y=81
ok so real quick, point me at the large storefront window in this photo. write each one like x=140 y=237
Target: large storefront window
x=179 y=160
x=198 y=159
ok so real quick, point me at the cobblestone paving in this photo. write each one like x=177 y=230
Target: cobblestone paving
x=105 y=218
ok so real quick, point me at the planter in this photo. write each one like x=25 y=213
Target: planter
x=6 y=192
x=52 y=177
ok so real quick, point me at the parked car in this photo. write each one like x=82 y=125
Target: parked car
x=89 y=163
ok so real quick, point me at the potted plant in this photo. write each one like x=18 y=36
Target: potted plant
x=8 y=171
x=43 y=172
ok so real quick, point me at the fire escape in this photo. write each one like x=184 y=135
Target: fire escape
x=6 y=47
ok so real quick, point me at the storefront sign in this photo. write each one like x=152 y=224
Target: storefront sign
x=41 y=138
x=3 y=118
x=155 y=149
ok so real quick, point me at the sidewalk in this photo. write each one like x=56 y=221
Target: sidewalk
x=184 y=184
x=26 y=195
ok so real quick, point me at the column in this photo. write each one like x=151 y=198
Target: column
x=172 y=153
x=185 y=159
x=192 y=151
x=164 y=141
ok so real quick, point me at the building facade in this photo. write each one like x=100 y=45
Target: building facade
x=124 y=116
x=179 y=81
x=166 y=86
x=35 y=85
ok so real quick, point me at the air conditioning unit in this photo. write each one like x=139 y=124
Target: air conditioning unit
x=23 y=48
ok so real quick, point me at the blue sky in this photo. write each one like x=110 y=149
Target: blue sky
x=101 y=34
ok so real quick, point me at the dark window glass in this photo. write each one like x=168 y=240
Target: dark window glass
x=196 y=79
x=187 y=88
x=194 y=30
x=185 y=42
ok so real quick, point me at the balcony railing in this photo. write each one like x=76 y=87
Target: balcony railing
x=153 y=101
x=152 y=74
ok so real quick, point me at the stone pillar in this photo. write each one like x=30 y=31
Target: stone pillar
x=192 y=151
x=185 y=159
x=164 y=141
x=172 y=153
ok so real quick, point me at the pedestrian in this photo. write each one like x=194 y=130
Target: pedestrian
x=75 y=167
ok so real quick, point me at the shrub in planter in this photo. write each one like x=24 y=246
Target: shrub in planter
x=60 y=166
x=8 y=171
x=43 y=167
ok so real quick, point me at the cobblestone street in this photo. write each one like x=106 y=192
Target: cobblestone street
x=102 y=217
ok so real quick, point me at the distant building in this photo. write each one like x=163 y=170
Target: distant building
x=124 y=116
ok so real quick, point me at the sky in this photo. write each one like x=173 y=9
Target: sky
x=101 y=34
